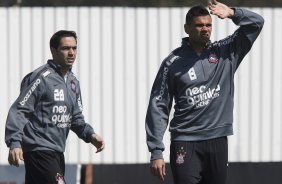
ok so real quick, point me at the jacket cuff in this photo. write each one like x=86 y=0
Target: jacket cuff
x=156 y=154
x=15 y=145
x=238 y=14
x=88 y=136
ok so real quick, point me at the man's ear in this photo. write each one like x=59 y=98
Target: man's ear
x=186 y=28
x=53 y=51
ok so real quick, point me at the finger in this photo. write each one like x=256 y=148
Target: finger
x=154 y=171
x=21 y=157
x=161 y=177
x=101 y=147
x=17 y=160
x=212 y=8
x=99 y=150
x=10 y=159
x=211 y=5
x=13 y=158
x=160 y=173
x=214 y=2
x=164 y=173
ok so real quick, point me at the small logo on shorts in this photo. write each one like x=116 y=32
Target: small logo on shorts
x=60 y=179
x=180 y=156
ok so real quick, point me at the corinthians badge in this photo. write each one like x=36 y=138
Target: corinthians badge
x=180 y=156
x=73 y=86
x=213 y=58
x=60 y=179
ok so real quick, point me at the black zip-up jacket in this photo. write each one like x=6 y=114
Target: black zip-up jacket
x=202 y=87
x=47 y=107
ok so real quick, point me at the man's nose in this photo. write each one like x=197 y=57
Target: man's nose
x=71 y=51
x=205 y=27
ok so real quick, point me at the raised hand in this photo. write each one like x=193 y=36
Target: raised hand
x=220 y=10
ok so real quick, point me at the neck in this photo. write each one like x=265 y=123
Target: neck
x=197 y=46
x=63 y=69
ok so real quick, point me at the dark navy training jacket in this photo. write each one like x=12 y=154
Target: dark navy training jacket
x=201 y=86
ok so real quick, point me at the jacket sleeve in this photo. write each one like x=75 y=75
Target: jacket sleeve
x=83 y=130
x=244 y=37
x=158 y=111
x=21 y=110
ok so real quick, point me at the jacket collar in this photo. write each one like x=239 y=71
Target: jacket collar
x=185 y=41
x=57 y=68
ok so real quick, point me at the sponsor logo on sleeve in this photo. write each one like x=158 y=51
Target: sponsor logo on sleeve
x=31 y=90
x=163 y=84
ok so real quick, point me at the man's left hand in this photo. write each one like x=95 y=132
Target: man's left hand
x=98 y=142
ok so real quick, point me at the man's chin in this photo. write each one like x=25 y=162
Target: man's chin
x=205 y=41
x=68 y=65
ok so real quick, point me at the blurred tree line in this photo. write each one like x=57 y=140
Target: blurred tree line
x=138 y=3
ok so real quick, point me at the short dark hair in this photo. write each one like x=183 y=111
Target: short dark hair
x=56 y=38
x=195 y=11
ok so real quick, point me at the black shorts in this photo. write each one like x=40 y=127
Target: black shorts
x=199 y=162
x=44 y=167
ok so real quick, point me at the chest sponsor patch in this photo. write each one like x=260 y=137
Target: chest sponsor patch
x=202 y=96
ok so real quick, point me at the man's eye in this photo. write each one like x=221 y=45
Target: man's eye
x=69 y=48
x=199 y=25
x=203 y=25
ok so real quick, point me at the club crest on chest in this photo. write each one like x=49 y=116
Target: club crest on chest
x=213 y=58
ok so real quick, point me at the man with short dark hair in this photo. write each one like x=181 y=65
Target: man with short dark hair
x=49 y=105
x=199 y=76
